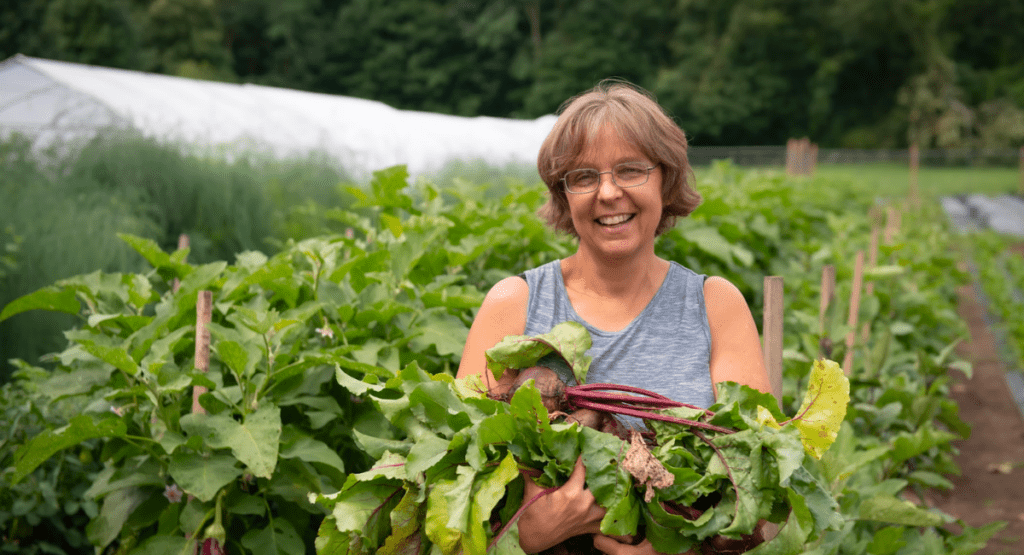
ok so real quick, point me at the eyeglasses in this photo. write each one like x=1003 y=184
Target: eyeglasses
x=625 y=175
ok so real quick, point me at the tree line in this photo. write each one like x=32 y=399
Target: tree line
x=851 y=73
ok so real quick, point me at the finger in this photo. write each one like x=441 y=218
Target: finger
x=608 y=545
x=578 y=479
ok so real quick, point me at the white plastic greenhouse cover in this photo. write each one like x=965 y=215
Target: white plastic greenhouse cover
x=60 y=101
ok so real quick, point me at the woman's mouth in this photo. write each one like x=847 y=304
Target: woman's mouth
x=615 y=220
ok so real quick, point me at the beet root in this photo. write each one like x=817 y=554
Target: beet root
x=598 y=420
x=548 y=384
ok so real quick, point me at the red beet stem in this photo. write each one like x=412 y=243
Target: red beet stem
x=650 y=416
x=602 y=397
x=593 y=391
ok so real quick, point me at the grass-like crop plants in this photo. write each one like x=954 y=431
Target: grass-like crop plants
x=66 y=207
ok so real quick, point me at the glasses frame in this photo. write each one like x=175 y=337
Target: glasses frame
x=565 y=183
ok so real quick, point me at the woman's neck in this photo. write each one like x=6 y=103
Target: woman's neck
x=640 y=275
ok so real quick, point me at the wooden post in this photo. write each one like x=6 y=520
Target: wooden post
x=851 y=336
x=805 y=153
x=892 y=224
x=812 y=159
x=869 y=288
x=872 y=256
x=828 y=292
x=772 y=325
x=204 y=312
x=182 y=244
x=790 y=157
x=915 y=164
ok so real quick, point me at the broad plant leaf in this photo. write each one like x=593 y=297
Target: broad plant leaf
x=254 y=442
x=569 y=339
x=49 y=442
x=57 y=299
x=823 y=409
x=202 y=476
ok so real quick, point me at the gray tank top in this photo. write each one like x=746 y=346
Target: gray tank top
x=666 y=349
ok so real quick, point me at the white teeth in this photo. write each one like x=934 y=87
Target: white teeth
x=612 y=220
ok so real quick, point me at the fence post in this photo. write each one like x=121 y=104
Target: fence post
x=1021 y=189
x=772 y=325
x=204 y=312
x=851 y=335
x=812 y=165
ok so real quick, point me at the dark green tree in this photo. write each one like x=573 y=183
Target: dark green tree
x=98 y=32
x=21 y=24
x=186 y=38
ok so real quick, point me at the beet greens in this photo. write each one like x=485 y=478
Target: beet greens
x=449 y=462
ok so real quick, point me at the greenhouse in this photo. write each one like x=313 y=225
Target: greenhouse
x=53 y=101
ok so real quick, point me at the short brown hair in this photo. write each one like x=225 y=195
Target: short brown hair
x=639 y=120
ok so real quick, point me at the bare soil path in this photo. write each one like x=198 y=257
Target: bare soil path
x=991 y=487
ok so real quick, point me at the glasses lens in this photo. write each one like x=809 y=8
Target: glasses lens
x=631 y=175
x=581 y=181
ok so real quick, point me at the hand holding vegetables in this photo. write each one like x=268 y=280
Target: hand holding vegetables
x=449 y=477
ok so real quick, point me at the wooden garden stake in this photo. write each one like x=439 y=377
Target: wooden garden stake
x=828 y=292
x=182 y=244
x=204 y=312
x=869 y=288
x=892 y=224
x=851 y=336
x=772 y=325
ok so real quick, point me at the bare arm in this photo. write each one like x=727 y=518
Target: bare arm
x=736 y=354
x=502 y=313
x=570 y=509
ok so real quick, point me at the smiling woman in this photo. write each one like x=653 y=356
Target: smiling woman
x=617 y=175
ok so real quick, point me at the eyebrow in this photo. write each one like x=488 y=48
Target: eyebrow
x=584 y=164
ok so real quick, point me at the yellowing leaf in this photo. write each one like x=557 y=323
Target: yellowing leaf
x=765 y=418
x=436 y=521
x=824 y=407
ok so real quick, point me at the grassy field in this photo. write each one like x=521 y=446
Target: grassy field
x=894 y=179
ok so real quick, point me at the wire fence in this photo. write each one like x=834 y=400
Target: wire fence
x=776 y=156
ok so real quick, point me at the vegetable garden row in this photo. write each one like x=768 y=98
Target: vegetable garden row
x=333 y=354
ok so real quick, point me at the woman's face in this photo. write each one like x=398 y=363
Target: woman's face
x=613 y=222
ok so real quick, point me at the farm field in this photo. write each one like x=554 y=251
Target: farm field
x=312 y=337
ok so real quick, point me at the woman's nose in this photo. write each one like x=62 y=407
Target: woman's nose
x=606 y=186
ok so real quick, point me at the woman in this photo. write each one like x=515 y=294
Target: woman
x=616 y=169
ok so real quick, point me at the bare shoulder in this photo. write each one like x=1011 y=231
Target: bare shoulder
x=511 y=290
x=722 y=294
x=735 y=345
x=502 y=313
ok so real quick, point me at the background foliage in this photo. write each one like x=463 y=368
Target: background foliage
x=860 y=73
x=102 y=450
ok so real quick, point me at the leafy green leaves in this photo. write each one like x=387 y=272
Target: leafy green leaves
x=80 y=428
x=254 y=442
x=569 y=339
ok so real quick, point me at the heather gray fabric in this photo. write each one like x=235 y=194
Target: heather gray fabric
x=666 y=349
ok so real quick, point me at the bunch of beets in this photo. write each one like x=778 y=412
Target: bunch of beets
x=596 y=406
